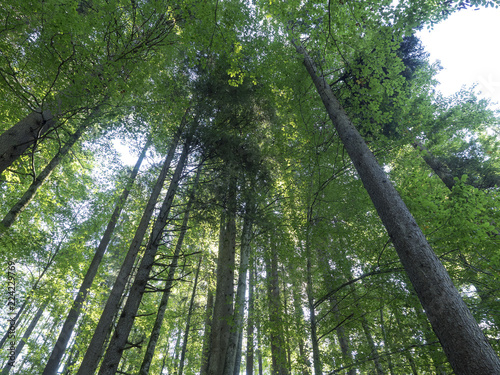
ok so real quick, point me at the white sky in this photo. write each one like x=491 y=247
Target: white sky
x=468 y=46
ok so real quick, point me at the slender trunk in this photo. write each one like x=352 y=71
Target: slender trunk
x=250 y=323
x=439 y=168
x=312 y=314
x=74 y=313
x=205 y=352
x=278 y=354
x=155 y=332
x=237 y=362
x=188 y=322
x=25 y=338
x=465 y=345
x=25 y=133
x=286 y=326
x=23 y=202
x=93 y=354
x=387 y=347
x=223 y=306
x=371 y=344
x=118 y=341
x=239 y=312
x=406 y=353
x=304 y=361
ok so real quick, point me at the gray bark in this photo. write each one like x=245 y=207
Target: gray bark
x=118 y=341
x=439 y=168
x=371 y=344
x=250 y=324
x=22 y=135
x=205 y=352
x=312 y=317
x=188 y=322
x=239 y=312
x=223 y=306
x=155 y=332
x=23 y=202
x=465 y=345
x=74 y=313
x=278 y=354
x=92 y=356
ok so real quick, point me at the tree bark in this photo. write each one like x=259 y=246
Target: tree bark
x=188 y=322
x=312 y=315
x=155 y=332
x=465 y=345
x=92 y=356
x=278 y=355
x=205 y=352
x=223 y=306
x=239 y=312
x=23 y=202
x=439 y=168
x=250 y=323
x=74 y=313
x=22 y=135
x=118 y=341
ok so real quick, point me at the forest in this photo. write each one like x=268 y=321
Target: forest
x=302 y=199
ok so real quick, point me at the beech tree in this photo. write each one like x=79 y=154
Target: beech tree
x=268 y=226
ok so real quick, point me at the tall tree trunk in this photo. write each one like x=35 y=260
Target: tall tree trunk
x=439 y=168
x=465 y=345
x=304 y=361
x=118 y=341
x=278 y=354
x=250 y=322
x=205 y=352
x=239 y=312
x=74 y=313
x=312 y=315
x=371 y=344
x=7 y=368
x=387 y=347
x=155 y=332
x=94 y=351
x=25 y=133
x=188 y=321
x=223 y=306
x=23 y=202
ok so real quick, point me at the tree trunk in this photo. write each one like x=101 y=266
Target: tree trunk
x=371 y=344
x=387 y=347
x=278 y=354
x=250 y=323
x=223 y=306
x=25 y=133
x=304 y=361
x=312 y=316
x=155 y=332
x=465 y=345
x=92 y=356
x=239 y=312
x=439 y=168
x=25 y=337
x=23 y=202
x=188 y=322
x=205 y=352
x=74 y=313
x=118 y=341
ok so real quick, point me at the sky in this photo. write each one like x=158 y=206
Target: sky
x=468 y=46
